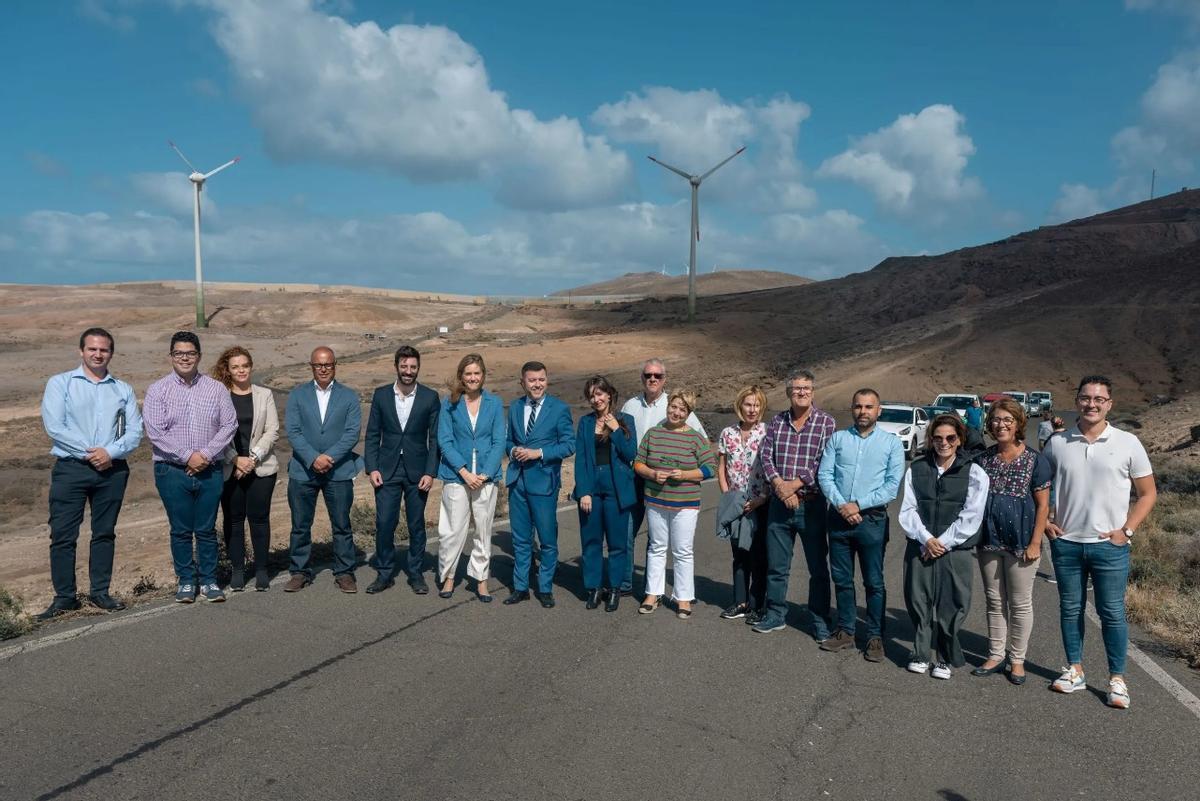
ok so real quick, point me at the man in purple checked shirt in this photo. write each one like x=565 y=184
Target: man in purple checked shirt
x=189 y=419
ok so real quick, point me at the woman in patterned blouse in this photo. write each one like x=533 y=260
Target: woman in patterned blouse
x=1017 y=507
x=739 y=470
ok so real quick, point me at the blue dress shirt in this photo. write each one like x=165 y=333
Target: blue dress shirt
x=80 y=413
x=866 y=470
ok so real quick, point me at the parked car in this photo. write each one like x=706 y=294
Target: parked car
x=1044 y=399
x=959 y=402
x=906 y=422
x=991 y=398
x=1031 y=407
x=933 y=411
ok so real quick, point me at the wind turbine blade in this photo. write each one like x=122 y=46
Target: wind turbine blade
x=223 y=166
x=180 y=152
x=675 y=170
x=723 y=163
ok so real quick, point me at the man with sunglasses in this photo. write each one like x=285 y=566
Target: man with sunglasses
x=189 y=419
x=648 y=408
x=323 y=420
x=1095 y=465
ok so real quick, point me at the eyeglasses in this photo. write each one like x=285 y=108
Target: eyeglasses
x=950 y=440
x=1007 y=422
x=185 y=355
x=322 y=365
x=1084 y=400
x=652 y=376
x=800 y=390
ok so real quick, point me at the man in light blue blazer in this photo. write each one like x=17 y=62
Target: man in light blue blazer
x=323 y=423
x=540 y=436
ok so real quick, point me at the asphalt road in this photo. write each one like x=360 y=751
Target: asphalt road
x=321 y=695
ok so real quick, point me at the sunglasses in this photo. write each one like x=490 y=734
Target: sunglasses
x=950 y=440
x=655 y=376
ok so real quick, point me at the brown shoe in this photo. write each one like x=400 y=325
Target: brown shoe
x=874 y=651
x=346 y=583
x=297 y=582
x=839 y=641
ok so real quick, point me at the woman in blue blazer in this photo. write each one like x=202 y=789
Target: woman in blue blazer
x=605 y=446
x=471 y=438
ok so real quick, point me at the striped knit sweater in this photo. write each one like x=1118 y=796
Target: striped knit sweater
x=665 y=449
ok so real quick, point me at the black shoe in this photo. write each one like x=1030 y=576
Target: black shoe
x=735 y=612
x=755 y=616
x=419 y=586
x=262 y=581
x=237 y=580
x=614 y=600
x=516 y=597
x=380 y=584
x=593 y=599
x=59 y=607
x=1015 y=679
x=982 y=671
x=102 y=600
x=627 y=592
x=547 y=599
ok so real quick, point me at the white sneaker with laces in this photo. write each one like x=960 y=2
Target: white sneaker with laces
x=916 y=666
x=940 y=671
x=1118 y=694
x=1070 y=681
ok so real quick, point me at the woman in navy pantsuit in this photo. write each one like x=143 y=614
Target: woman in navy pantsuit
x=605 y=446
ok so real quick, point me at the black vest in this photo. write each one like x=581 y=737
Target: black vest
x=940 y=499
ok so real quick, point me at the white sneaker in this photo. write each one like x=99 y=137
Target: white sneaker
x=917 y=667
x=1118 y=694
x=940 y=671
x=1070 y=681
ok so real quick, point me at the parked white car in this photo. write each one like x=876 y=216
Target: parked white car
x=1031 y=407
x=957 y=401
x=906 y=422
x=1044 y=399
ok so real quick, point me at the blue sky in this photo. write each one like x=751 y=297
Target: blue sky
x=501 y=148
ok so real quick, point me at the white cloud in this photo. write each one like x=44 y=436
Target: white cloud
x=915 y=166
x=110 y=13
x=694 y=130
x=1076 y=201
x=172 y=192
x=413 y=99
x=1188 y=8
x=1168 y=134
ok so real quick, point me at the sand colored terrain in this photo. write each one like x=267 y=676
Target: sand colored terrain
x=707 y=284
x=1116 y=293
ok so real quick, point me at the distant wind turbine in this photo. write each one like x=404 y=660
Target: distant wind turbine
x=695 y=181
x=198 y=178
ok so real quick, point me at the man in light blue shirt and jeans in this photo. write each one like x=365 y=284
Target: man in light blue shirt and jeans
x=860 y=474
x=92 y=420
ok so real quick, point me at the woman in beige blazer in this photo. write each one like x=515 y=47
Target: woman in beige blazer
x=250 y=468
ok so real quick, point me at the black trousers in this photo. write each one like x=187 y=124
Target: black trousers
x=387 y=515
x=750 y=566
x=242 y=499
x=73 y=485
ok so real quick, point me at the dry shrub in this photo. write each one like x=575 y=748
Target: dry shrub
x=13 y=620
x=1170 y=615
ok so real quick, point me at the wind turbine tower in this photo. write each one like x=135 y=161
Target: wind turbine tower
x=198 y=178
x=695 y=181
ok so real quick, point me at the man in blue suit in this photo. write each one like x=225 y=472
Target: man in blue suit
x=540 y=436
x=401 y=455
x=323 y=423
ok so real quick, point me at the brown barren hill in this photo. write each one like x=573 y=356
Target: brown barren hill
x=657 y=285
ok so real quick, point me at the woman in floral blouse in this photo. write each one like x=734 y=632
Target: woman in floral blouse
x=1017 y=508
x=740 y=470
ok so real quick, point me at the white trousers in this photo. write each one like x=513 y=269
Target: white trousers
x=459 y=506
x=675 y=528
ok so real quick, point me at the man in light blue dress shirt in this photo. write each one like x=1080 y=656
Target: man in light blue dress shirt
x=860 y=474
x=92 y=420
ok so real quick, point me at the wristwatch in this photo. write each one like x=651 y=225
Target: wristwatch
x=1128 y=533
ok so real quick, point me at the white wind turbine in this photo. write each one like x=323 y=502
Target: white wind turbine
x=695 y=181
x=198 y=178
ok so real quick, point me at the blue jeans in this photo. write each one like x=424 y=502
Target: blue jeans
x=1108 y=566
x=783 y=525
x=302 y=498
x=869 y=540
x=191 y=503
x=527 y=513
x=607 y=522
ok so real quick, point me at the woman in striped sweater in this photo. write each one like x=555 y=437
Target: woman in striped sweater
x=673 y=459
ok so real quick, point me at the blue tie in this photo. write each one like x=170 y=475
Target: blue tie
x=533 y=406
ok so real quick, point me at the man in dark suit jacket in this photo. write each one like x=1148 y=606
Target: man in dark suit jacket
x=323 y=423
x=401 y=455
x=540 y=436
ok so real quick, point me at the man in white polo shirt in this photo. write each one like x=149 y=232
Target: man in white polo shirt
x=1095 y=465
x=648 y=408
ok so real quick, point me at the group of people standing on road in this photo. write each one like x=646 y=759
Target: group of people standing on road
x=793 y=476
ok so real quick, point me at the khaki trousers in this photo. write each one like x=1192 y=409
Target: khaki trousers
x=1008 y=587
x=459 y=507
